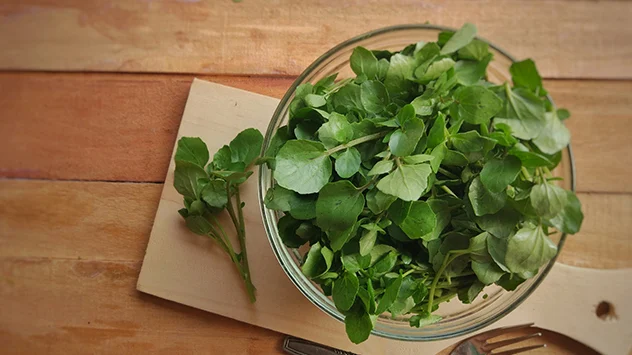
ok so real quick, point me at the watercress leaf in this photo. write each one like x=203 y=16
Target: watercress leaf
x=367 y=241
x=439 y=152
x=183 y=212
x=374 y=96
x=423 y=319
x=487 y=271
x=385 y=264
x=497 y=248
x=199 y=225
x=313 y=100
x=336 y=130
x=460 y=39
x=317 y=262
x=470 y=72
x=529 y=159
x=348 y=163
x=554 y=137
x=548 y=200
x=454 y=158
x=434 y=69
x=363 y=61
x=510 y=282
x=570 y=218
x=378 y=201
x=303 y=90
x=407 y=182
x=406 y=113
x=192 y=150
x=382 y=68
x=302 y=166
x=475 y=50
x=278 y=140
x=197 y=208
x=470 y=141
x=348 y=97
x=358 y=323
x=222 y=158
x=423 y=106
x=389 y=296
x=214 y=193
x=338 y=205
x=437 y=134
x=427 y=51
x=381 y=167
x=185 y=179
x=529 y=249
x=397 y=77
x=246 y=146
x=404 y=140
x=563 y=114
x=523 y=112
x=525 y=75
x=418 y=159
x=441 y=210
x=345 y=290
x=501 y=224
x=484 y=201
x=476 y=104
x=401 y=306
x=468 y=294
x=356 y=262
x=416 y=218
x=503 y=137
x=287 y=231
x=325 y=84
x=498 y=173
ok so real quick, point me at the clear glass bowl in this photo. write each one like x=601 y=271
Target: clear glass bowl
x=458 y=319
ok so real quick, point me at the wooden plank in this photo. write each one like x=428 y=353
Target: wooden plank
x=64 y=306
x=112 y=221
x=568 y=39
x=98 y=126
x=121 y=127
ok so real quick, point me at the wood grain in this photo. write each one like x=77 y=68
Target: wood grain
x=568 y=39
x=120 y=127
x=64 y=306
x=98 y=126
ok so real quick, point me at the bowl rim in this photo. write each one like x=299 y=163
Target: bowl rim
x=261 y=193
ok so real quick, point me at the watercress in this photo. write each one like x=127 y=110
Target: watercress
x=417 y=180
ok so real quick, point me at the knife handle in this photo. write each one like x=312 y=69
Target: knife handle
x=296 y=346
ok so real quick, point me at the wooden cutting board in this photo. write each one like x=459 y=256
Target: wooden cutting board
x=189 y=269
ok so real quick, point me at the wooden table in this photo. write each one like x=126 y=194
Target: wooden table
x=91 y=95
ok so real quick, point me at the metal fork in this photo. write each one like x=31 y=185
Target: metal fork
x=480 y=344
x=476 y=345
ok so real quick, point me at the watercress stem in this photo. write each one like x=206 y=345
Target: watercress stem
x=450 y=256
x=525 y=173
x=239 y=227
x=242 y=244
x=355 y=142
x=447 y=189
x=447 y=173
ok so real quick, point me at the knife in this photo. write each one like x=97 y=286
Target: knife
x=296 y=346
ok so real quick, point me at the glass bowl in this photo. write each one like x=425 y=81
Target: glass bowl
x=458 y=319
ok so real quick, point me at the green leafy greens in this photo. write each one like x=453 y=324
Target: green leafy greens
x=416 y=181
x=210 y=188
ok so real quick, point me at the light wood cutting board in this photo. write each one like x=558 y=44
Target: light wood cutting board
x=191 y=270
